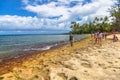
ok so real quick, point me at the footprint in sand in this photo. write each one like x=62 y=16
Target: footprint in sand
x=102 y=65
x=1 y=78
x=9 y=76
x=63 y=75
x=114 y=70
x=86 y=63
x=73 y=78
x=116 y=61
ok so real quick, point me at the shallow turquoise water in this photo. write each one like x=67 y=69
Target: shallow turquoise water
x=15 y=45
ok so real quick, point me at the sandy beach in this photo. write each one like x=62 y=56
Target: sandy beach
x=83 y=61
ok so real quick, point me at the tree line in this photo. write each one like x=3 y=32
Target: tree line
x=102 y=24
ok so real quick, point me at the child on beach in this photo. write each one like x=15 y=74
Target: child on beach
x=115 y=38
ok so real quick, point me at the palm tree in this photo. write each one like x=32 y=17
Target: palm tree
x=75 y=27
x=115 y=12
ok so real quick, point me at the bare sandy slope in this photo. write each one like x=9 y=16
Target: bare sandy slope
x=84 y=61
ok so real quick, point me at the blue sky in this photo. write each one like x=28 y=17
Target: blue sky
x=48 y=16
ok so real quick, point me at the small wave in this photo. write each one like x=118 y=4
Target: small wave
x=39 y=49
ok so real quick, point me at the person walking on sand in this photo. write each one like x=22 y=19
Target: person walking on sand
x=100 y=36
x=96 y=37
x=71 y=39
x=105 y=35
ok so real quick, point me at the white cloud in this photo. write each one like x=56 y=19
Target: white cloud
x=18 y=22
x=61 y=10
x=47 y=10
x=96 y=8
x=8 y=22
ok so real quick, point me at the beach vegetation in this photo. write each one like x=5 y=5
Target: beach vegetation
x=107 y=23
x=115 y=13
x=102 y=24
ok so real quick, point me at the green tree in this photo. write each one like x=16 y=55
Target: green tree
x=115 y=13
x=75 y=27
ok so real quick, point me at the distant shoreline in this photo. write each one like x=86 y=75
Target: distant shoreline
x=36 y=34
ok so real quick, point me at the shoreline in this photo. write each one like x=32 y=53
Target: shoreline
x=83 y=61
x=21 y=50
x=6 y=65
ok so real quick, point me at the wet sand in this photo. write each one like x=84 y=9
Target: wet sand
x=7 y=65
x=83 y=61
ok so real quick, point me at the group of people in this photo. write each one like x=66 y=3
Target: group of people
x=99 y=35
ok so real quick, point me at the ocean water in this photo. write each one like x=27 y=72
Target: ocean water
x=18 y=45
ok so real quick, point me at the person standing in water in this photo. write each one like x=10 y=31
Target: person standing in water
x=71 y=39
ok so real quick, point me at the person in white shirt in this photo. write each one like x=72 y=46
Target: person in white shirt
x=100 y=37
